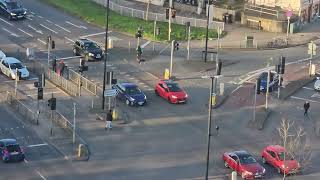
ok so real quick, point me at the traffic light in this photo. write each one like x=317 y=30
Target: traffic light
x=40 y=93
x=50 y=42
x=157 y=31
x=219 y=68
x=139 y=33
x=53 y=45
x=167 y=13
x=176 y=45
x=139 y=51
x=52 y=103
x=258 y=84
x=282 y=64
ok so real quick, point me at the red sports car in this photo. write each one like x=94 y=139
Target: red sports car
x=244 y=164
x=275 y=155
x=171 y=91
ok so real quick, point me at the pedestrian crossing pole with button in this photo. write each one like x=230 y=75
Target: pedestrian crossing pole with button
x=16 y=82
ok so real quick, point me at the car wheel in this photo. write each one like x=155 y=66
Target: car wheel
x=169 y=99
x=9 y=17
x=264 y=160
x=156 y=92
x=226 y=164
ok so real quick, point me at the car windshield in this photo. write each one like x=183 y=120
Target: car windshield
x=16 y=66
x=13 y=148
x=133 y=90
x=13 y=5
x=173 y=87
x=246 y=159
x=91 y=45
x=282 y=154
x=264 y=76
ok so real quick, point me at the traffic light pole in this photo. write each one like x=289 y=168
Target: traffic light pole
x=267 y=91
x=171 y=59
x=207 y=33
x=74 y=123
x=154 y=34
x=255 y=101
x=52 y=116
x=170 y=16
x=279 y=86
x=16 y=83
x=38 y=111
x=49 y=44
x=209 y=129
x=189 y=38
x=105 y=56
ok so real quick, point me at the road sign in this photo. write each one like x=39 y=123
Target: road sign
x=110 y=93
x=312 y=47
x=289 y=13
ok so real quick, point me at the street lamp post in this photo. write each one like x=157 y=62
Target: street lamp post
x=209 y=128
x=207 y=32
x=105 y=56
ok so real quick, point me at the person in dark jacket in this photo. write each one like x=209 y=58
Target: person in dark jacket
x=54 y=64
x=109 y=120
x=306 y=107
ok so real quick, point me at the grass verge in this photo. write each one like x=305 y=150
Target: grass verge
x=95 y=14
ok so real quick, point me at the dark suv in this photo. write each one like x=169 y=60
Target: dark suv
x=88 y=49
x=12 y=9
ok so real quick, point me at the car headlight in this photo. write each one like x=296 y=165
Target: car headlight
x=131 y=99
x=263 y=170
x=13 y=14
x=282 y=166
x=186 y=96
x=247 y=173
x=174 y=97
x=145 y=97
x=90 y=54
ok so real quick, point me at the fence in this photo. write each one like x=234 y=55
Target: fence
x=126 y=11
x=55 y=78
x=58 y=119
x=88 y=85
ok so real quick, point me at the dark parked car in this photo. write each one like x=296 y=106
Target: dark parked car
x=274 y=81
x=130 y=93
x=88 y=49
x=10 y=150
x=12 y=9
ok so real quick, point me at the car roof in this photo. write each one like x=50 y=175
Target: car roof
x=128 y=84
x=2 y=54
x=11 y=60
x=9 y=141
x=84 y=40
x=167 y=81
x=242 y=152
x=276 y=148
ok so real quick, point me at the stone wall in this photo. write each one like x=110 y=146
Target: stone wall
x=218 y=14
x=269 y=25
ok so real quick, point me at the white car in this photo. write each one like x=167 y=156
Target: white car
x=2 y=55
x=8 y=66
x=317 y=84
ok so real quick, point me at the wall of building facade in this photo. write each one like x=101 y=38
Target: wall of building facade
x=269 y=25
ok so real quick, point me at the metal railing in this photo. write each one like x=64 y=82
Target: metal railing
x=88 y=85
x=130 y=12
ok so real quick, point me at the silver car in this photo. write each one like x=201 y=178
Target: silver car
x=317 y=84
x=8 y=66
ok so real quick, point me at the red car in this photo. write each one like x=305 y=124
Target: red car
x=275 y=154
x=171 y=91
x=244 y=164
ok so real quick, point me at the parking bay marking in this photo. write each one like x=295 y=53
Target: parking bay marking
x=308 y=88
x=49 y=29
x=25 y=32
x=37 y=145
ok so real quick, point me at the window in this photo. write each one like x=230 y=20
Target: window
x=173 y=87
x=246 y=159
x=272 y=154
x=16 y=66
x=133 y=90
x=234 y=157
x=77 y=43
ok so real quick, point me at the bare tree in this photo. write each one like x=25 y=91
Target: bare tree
x=295 y=141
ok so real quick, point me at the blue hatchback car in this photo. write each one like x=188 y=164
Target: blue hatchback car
x=274 y=81
x=130 y=94
x=10 y=150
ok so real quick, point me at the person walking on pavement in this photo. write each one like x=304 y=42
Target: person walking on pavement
x=109 y=120
x=306 y=107
x=54 y=65
x=62 y=67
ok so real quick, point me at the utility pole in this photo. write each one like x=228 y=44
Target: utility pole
x=105 y=56
x=207 y=32
x=74 y=124
x=171 y=59
x=209 y=128
x=189 y=38
x=279 y=86
x=267 y=92
x=49 y=44
x=110 y=86
x=218 y=46
x=16 y=82
x=170 y=16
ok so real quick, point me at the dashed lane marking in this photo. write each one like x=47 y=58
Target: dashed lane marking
x=29 y=18
x=32 y=13
x=95 y=34
x=11 y=33
x=57 y=92
x=37 y=145
x=308 y=88
x=33 y=28
x=25 y=32
x=41 y=175
x=40 y=17
x=145 y=44
x=67 y=30
x=69 y=39
x=304 y=99
x=80 y=27
x=316 y=95
x=41 y=41
x=6 y=22
x=49 y=29
x=49 y=21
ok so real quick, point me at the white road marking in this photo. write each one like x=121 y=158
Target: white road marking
x=11 y=33
x=32 y=13
x=69 y=39
x=49 y=29
x=6 y=22
x=25 y=32
x=37 y=145
x=41 y=41
x=38 y=31
x=25 y=161
x=49 y=21
x=164 y=48
x=41 y=175
x=95 y=34
x=30 y=79
x=40 y=17
x=57 y=92
x=308 y=88
x=62 y=28
x=29 y=18
x=316 y=95
x=303 y=99
x=145 y=44
x=71 y=57
x=81 y=27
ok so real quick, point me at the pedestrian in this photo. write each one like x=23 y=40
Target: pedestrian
x=306 y=107
x=62 y=67
x=54 y=65
x=109 y=120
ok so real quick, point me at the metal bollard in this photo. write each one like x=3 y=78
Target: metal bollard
x=234 y=175
x=80 y=150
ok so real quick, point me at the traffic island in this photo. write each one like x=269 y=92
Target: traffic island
x=293 y=86
x=262 y=115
